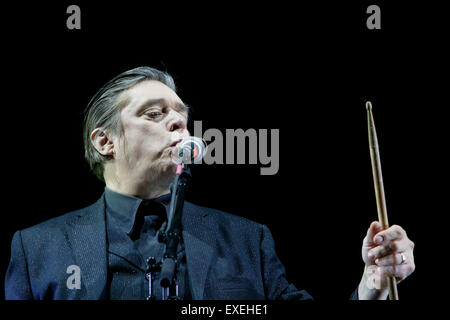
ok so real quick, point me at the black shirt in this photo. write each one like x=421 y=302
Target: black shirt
x=132 y=228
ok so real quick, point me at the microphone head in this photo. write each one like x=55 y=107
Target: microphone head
x=190 y=150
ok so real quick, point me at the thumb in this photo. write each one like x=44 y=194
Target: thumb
x=374 y=228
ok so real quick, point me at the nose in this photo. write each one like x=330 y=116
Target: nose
x=176 y=122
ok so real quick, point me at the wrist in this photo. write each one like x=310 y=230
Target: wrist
x=367 y=289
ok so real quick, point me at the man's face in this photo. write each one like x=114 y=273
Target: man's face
x=154 y=120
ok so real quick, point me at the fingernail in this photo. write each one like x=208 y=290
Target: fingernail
x=377 y=261
x=379 y=239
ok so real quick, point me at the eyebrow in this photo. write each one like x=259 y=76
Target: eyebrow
x=149 y=102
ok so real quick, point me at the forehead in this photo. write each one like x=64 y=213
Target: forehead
x=149 y=90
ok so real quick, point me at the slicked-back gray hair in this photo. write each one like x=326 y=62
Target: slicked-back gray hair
x=103 y=111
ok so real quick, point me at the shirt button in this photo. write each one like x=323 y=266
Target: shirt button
x=150 y=260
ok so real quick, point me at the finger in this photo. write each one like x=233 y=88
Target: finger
x=391 y=247
x=375 y=227
x=392 y=259
x=399 y=271
x=392 y=233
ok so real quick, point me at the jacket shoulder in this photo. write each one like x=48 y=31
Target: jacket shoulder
x=222 y=216
x=67 y=218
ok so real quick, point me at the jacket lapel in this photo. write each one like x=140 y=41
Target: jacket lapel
x=87 y=236
x=198 y=251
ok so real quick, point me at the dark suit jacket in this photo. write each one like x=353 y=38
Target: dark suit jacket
x=228 y=257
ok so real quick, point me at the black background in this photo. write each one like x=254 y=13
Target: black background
x=305 y=69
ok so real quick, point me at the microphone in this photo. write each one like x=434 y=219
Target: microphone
x=190 y=150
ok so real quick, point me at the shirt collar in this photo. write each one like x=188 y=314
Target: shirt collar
x=124 y=207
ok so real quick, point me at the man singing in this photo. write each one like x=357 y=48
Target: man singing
x=132 y=128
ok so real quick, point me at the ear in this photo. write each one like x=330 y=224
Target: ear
x=102 y=142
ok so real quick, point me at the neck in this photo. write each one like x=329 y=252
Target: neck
x=135 y=191
x=141 y=186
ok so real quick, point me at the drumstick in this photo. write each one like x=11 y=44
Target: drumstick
x=379 y=187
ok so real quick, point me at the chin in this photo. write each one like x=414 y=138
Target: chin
x=170 y=169
x=166 y=168
x=173 y=169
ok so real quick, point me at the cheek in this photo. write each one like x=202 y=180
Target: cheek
x=142 y=139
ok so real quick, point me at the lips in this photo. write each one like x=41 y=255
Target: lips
x=175 y=142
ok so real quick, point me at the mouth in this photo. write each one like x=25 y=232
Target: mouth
x=175 y=142
x=174 y=151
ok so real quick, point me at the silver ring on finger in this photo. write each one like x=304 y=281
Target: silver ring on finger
x=403 y=258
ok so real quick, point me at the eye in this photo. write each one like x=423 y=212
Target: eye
x=154 y=113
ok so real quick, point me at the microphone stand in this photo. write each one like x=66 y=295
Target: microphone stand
x=194 y=148
x=172 y=234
